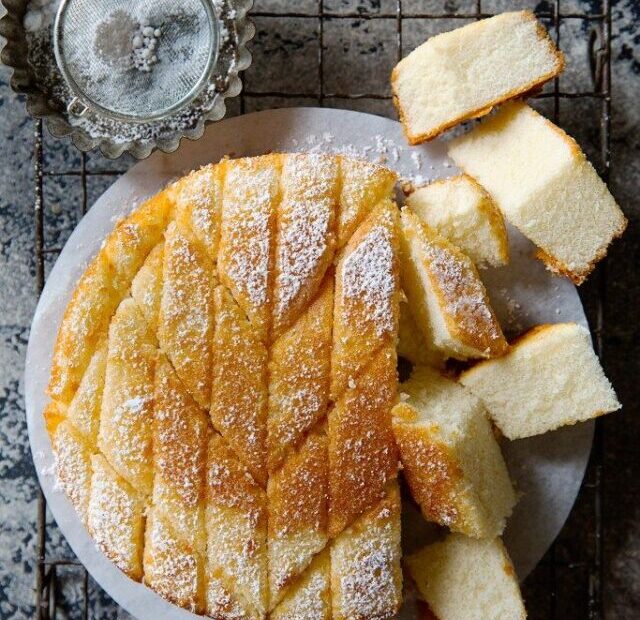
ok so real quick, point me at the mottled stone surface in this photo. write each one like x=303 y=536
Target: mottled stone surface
x=358 y=55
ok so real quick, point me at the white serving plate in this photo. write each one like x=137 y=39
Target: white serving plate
x=547 y=470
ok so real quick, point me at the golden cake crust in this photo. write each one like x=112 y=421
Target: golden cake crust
x=367 y=296
x=434 y=480
x=221 y=357
x=457 y=290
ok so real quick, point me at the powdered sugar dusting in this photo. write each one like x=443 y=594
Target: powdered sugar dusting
x=84 y=410
x=299 y=373
x=309 y=600
x=236 y=527
x=381 y=150
x=369 y=278
x=290 y=554
x=297 y=513
x=307 y=212
x=366 y=562
x=206 y=513
x=247 y=216
x=184 y=29
x=239 y=400
x=126 y=416
x=116 y=517
x=197 y=198
x=302 y=246
x=179 y=442
x=186 y=313
x=173 y=568
x=220 y=603
x=72 y=467
x=461 y=291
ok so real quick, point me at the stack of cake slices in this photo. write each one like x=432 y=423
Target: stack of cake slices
x=517 y=167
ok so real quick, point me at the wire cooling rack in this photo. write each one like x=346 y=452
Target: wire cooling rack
x=49 y=595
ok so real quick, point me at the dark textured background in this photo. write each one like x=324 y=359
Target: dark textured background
x=359 y=55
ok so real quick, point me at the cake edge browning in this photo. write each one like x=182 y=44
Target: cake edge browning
x=131 y=267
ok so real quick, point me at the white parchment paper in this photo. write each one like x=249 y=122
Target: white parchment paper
x=547 y=470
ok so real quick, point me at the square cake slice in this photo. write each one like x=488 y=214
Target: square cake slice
x=444 y=290
x=462 y=74
x=544 y=185
x=551 y=377
x=465 y=579
x=462 y=211
x=450 y=457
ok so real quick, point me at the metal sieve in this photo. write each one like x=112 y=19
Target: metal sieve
x=169 y=107
x=135 y=60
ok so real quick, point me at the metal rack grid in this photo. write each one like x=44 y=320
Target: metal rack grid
x=46 y=587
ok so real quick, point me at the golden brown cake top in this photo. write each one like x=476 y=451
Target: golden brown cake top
x=222 y=387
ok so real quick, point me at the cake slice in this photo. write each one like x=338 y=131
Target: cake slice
x=363 y=186
x=133 y=238
x=250 y=195
x=366 y=577
x=175 y=539
x=239 y=399
x=366 y=299
x=74 y=430
x=544 y=185
x=306 y=233
x=462 y=74
x=550 y=377
x=466 y=579
x=72 y=458
x=197 y=200
x=445 y=291
x=100 y=290
x=126 y=414
x=450 y=458
x=310 y=596
x=297 y=496
x=462 y=212
x=299 y=375
x=116 y=517
x=236 y=528
x=186 y=319
x=146 y=287
x=363 y=458
x=85 y=324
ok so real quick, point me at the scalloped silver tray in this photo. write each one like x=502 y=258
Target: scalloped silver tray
x=47 y=96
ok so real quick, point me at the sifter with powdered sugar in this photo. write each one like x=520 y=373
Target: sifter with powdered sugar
x=141 y=61
x=132 y=75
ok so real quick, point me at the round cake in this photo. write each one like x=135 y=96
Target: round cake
x=222 y=386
